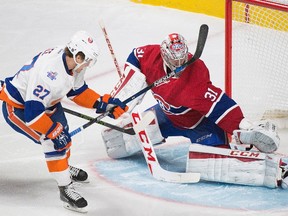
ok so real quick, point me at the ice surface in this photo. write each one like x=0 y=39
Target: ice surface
x=26 y=188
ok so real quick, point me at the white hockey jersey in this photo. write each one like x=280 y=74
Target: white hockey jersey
x=42 y=83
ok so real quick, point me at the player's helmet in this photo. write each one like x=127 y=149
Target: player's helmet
x=81 y=41
x=174 y=50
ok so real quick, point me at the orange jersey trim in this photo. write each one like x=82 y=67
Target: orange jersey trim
x=57 y=165
x=43 y=124
x=87 y=98
x=4 y=97
x=20 y=124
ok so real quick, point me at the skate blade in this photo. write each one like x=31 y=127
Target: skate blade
x=72 y=208
x=85 y=182
x=78 y=184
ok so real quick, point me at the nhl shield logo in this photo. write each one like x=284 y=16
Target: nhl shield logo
x=52 y=75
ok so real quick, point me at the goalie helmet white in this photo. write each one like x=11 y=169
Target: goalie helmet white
x=174 y=50
x=81 y=41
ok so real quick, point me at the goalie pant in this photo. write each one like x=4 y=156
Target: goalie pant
x=234 y=166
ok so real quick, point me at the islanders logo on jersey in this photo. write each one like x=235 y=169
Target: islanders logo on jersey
x=169 y=109
x=52 y=75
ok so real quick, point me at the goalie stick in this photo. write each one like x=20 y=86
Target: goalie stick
x=151 y=159
x=203 y=32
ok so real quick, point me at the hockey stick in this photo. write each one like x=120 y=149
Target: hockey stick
x=145 y=121
x=151 y=159
x=101 y=23
x=83 y=116
x=123 y=130
x=203 y=32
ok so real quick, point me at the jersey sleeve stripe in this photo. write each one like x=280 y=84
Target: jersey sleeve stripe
x=221 y=108
x=225 y=113
x=214 y=104
x=20 y=124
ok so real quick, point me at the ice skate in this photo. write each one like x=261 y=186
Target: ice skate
x=78 y=175
x=72 y=200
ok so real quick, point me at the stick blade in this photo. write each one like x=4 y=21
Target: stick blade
x=101 y=23
x=203 y=33
x=151 y=158
x=176 y=177
x=202 y=37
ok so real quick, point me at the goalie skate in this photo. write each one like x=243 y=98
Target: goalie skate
x=72 y=200
x=78 y=175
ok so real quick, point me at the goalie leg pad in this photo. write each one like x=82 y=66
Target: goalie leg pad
x=234 y=166
x=284 y=167
x=120 y=145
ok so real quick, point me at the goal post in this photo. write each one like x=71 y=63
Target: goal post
x=256 y=57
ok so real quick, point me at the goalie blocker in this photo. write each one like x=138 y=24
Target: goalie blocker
x=237 y=167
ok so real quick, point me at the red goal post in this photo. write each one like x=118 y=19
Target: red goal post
x=256 y=56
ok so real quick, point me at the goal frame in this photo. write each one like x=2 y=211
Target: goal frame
x=228 y=33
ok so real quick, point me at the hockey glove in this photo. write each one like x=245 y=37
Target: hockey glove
x=263 y=135
x=59 y=136
x=106 y=102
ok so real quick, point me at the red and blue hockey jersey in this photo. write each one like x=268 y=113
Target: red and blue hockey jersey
x=187 y=99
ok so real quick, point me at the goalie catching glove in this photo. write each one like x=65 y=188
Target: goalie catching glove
x=59 y=136
x=106 y=102
x=263 y=135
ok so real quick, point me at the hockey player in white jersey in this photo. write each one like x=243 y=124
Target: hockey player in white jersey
x=31 y=106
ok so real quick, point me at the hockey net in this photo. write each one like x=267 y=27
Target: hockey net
x=257 y=58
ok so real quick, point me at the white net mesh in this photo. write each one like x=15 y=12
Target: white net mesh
x=260 y=60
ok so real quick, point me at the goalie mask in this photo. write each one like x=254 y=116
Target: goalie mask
x=174 y=50
x=81 y=41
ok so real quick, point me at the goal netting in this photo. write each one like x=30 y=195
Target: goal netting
x=257 y=57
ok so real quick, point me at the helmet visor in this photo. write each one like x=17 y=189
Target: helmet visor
x=177 y=62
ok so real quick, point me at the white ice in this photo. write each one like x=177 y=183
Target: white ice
x=29 y=26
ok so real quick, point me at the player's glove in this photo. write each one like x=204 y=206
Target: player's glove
x=59 y=136
x=106 y=102
x=263 y=135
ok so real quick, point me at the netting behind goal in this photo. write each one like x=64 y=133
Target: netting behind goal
x=257 y=57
